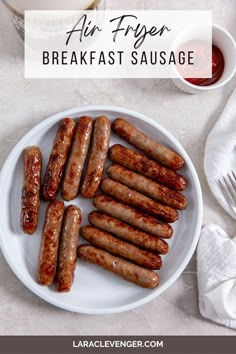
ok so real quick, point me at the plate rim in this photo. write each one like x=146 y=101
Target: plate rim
x=159 y=290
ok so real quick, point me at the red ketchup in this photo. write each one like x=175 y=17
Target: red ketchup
x=218 y=64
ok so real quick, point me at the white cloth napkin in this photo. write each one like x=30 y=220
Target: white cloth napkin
x=216 y=254
x=220 y=152
x=216 y=267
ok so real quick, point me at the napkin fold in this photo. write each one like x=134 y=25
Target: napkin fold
x=216 y=253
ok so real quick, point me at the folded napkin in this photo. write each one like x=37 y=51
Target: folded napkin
x=216 y=254
x=216 y=267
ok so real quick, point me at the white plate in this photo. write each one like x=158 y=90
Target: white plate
x=95 y=291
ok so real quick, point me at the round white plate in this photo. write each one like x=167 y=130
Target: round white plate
x=95 y=291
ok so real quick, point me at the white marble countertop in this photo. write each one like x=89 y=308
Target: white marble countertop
x=25 y=103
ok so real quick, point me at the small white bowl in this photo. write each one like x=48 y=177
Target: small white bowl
x=226 y=43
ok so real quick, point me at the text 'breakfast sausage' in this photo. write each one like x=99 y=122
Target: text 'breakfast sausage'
x=147 y=167
x=149 y=146
x=132 y=216
x=127 y=270
x=120 y=248
x=97 y=159
x=146 y=186
x=57 y=160
x=128 y=233
x=30 y=199
x=78 y=154
x=68 y=249
x=131 y=197
x=48 y=252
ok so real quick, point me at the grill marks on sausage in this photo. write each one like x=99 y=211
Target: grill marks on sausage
x=97 y=158
x=30 y=199
x=48 y=253
x=138 y=200
x=57 y=160
x=68 y=249
x=146 y=186
x=121 y=248
x=132 y=216
x=75 y=164
x=147 y=167
x=128 y=233
x=146 y=144
x=131 y=272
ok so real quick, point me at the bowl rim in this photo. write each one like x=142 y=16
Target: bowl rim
x=199 y=205
x=19 y=12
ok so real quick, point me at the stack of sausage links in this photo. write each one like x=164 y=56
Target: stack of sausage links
x=141 y=197
x=59 y=240
x=126 y=233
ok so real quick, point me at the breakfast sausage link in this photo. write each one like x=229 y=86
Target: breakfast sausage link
x=131 y=197
x=30 y=200
x=128 y=233
x=57 y=160
x=132 y=216
x=48 y=253
x=75 y=164
x=97 y=159
x=68 y=249
x=120 y=248
x=146 y=186
x=142 y=142
x=147 y=167
x=131 y=272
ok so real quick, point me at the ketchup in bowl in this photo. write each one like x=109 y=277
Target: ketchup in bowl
x=218 y=64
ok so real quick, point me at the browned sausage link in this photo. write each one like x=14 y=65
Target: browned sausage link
x=57 y=160
x=147 y=167
x=129 y=196
x=68 y=249
x=97 y=159
x=121 y=248
x=132 y=216
x=30 y=200
x=131 y=272
x=75 y=164
x=149 y=146
x=50 y=243
x=128 y=233
x=147 y=186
